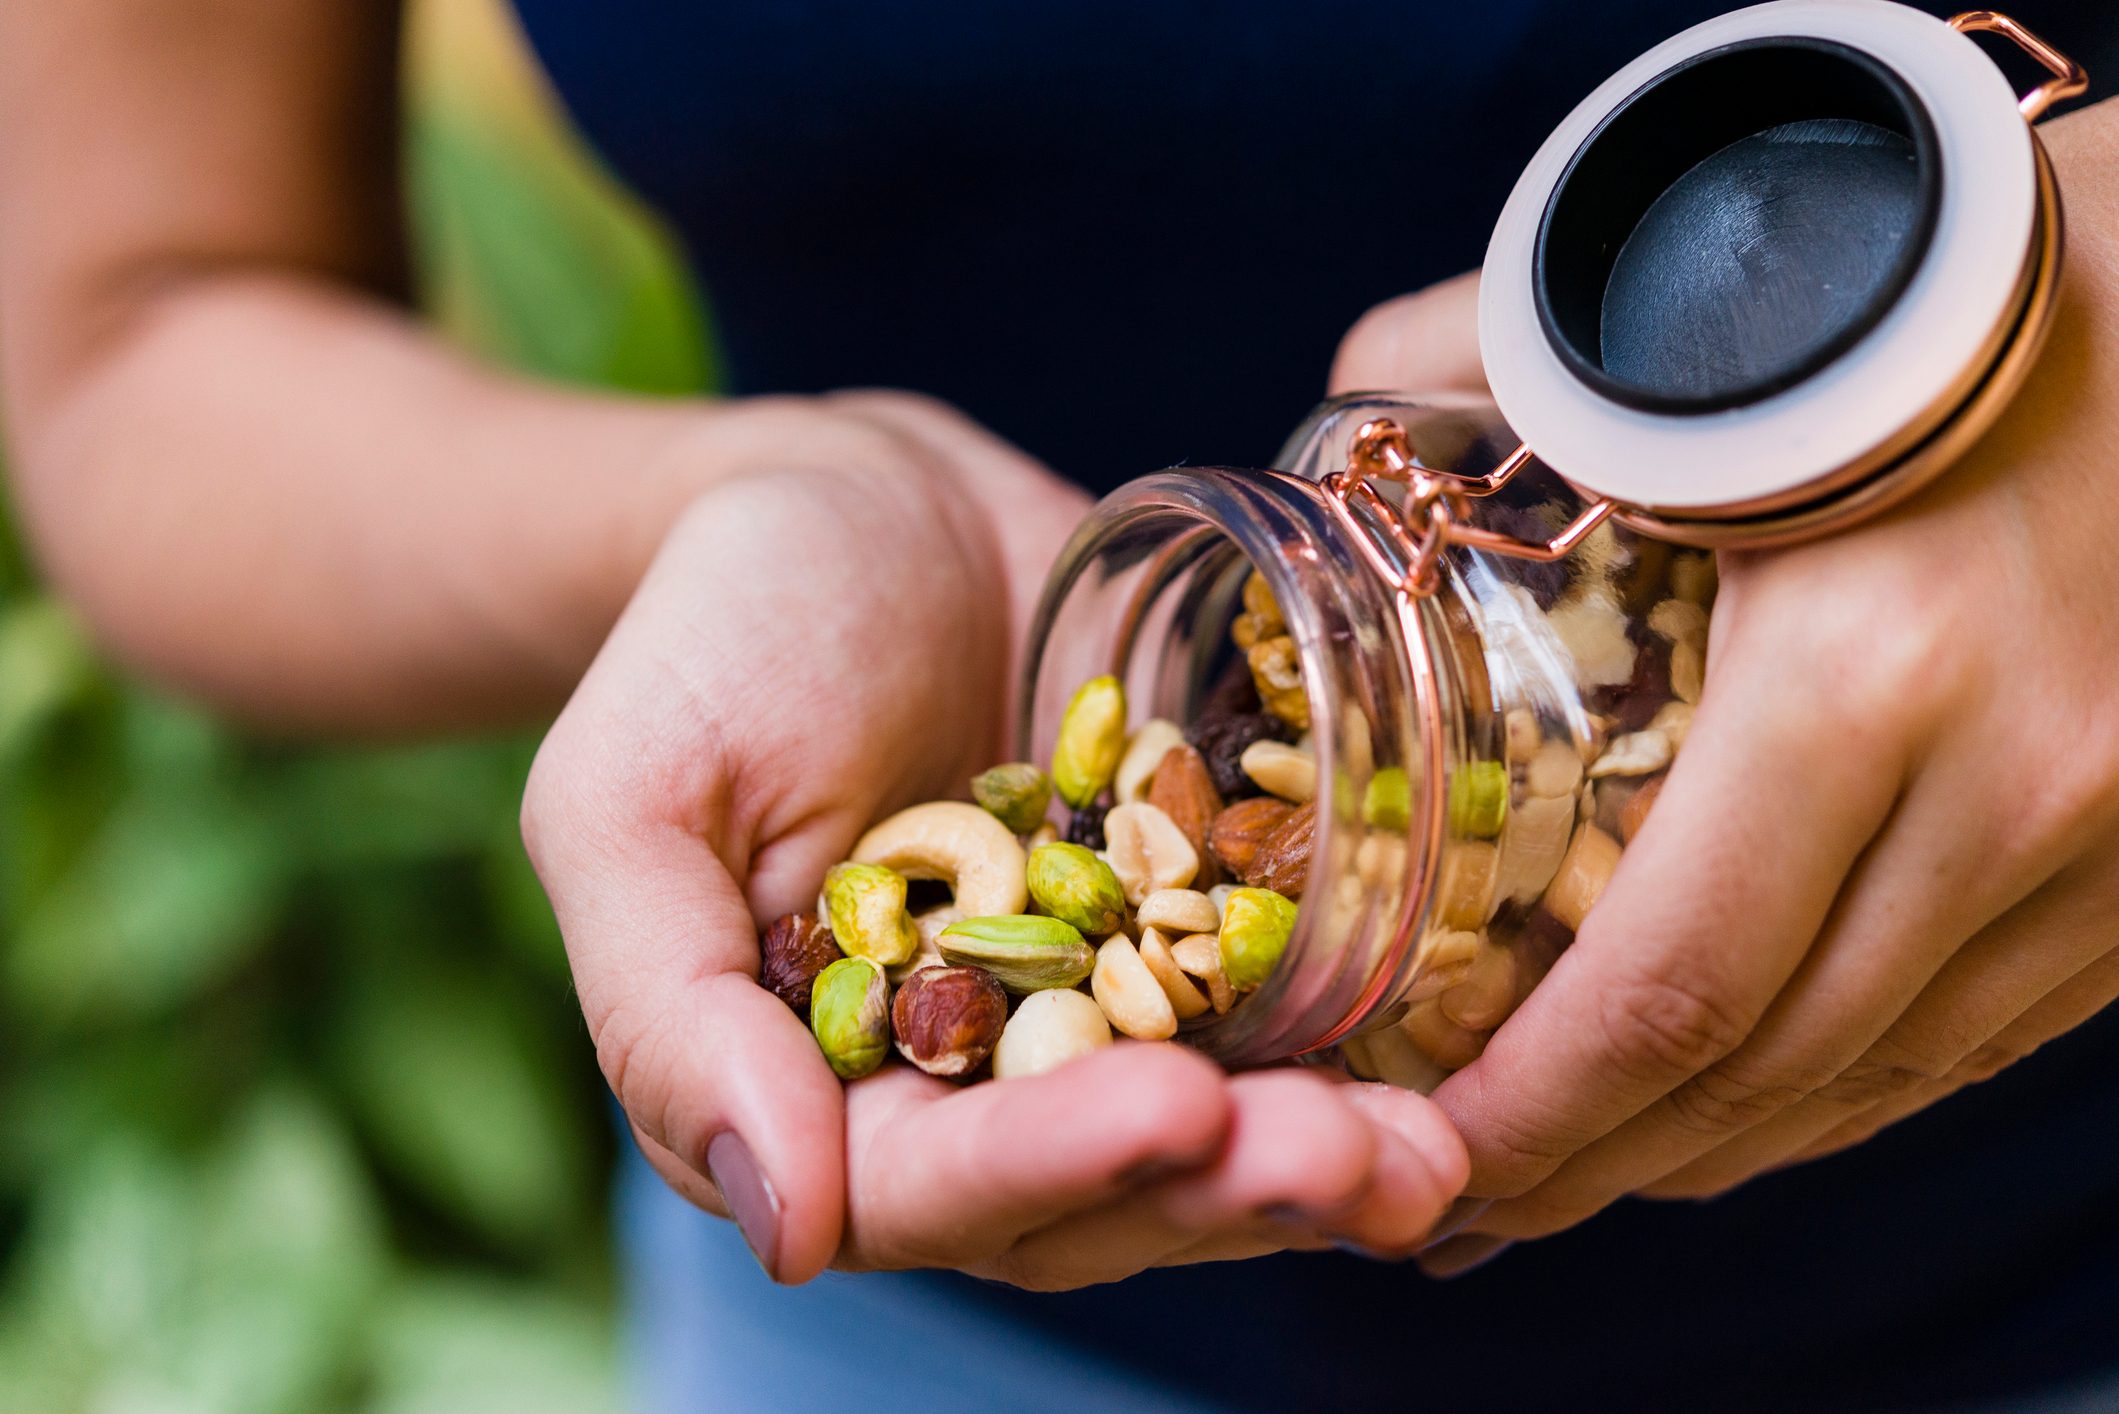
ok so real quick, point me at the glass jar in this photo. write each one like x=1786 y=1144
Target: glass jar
x=1484 y=747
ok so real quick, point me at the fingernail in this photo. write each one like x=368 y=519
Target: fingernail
x=749 y=1196
x=1455 y=1218
x=1462 y=1254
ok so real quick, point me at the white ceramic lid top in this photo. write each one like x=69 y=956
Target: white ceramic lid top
x=1964 y=288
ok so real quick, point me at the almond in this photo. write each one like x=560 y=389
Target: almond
x=1240 y=831
x=1183 y=790
x=1282 y=862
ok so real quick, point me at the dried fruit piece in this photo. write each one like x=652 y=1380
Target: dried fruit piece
x=794 y=950
x=1085 y=826
x=1048 y=1030
x=1279 y=769
x=1200 y=956
x=1092 y=737
x=956 y=842
x=1478 y=799
x=1240 y=831
x=867 y=907
x=1179 y=911
x=1027 y=952
x=1016 y=794
x=1071 y=884
x=1186 y=1000
x=947 y=1020
x=1282 y=863
x=1222 y=740
x=1132 y=1000
x=849 y=1014
x=1148 y=852
x=1145 y=750
x=1255 y=928
x=1183 y=790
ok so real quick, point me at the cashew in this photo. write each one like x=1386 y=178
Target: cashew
x=1673 y=720
x=1640 y=753
x=1131 y=997
x=958 y=843
x=1443 y=959
x=1392 y=1058
x=1688 y=671
x=1443 y=1041
x=1583 y=874
x=1680 y=621
x=1553 y=770
x=1144 y=753
x=1486 y=994
x=1049 y=1029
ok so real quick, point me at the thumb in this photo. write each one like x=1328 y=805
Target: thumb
x=1423 y=341
x=716 y=1072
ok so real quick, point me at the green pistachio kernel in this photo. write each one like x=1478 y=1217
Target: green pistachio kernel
x=1092 y=738
x=1027 y=952
x=1255 y=927
x=1015 y=794
x=1387 y=804
x=1069 y=882
x=1478 y=800
x=867 y=907
x=849 y=1014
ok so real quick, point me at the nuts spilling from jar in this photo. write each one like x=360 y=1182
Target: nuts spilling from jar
x=1155 y=878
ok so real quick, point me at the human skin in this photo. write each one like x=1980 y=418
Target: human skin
x=1886 y=866
x=771 y=622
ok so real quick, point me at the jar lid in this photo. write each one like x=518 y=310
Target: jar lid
x=1765 y=257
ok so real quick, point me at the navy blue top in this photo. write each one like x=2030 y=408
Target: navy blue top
x=1128 y=234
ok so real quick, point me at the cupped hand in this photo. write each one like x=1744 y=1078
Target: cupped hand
x=1886 y=865
x=828 y=634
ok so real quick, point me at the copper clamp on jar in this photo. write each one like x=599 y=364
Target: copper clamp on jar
x=1766 y=281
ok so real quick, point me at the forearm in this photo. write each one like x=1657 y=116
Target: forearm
x=288 y=499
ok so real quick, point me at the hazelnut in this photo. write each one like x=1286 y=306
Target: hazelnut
x=794 y=950
x=947 y=1020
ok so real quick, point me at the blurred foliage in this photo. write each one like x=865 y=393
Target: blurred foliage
x=298 y=1115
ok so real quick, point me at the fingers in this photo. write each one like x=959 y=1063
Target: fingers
x=951 y=1177
x=1308 y=1161
x=1427 y=340
x=1711 y=912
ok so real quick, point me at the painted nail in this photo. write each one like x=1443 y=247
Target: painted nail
x=749 y=1196
x=1462 y=1254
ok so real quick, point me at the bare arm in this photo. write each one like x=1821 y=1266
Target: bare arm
x=251 y=471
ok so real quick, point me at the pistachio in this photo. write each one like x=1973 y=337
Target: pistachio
x=1092 y=736
x=867 y=907
x=1148 y=851
x=1255 y=928
x=1068 y=882
x=1278 y=672
x=1026 y=952
x=1179 y=911
x=1200 y=956
x=1145 y=750
x=1387 y=804
x=948 y=1019
x=1049 y=1029
x=1281 y=770
x=849 y=1014
x=1186 y=1000
x=793 y=951
x=958 y=843
x=1240 y=831
x=1016 y=794
x=1641 y=753
x=1585 y=871
x=1478 y=799
x=1132 y=999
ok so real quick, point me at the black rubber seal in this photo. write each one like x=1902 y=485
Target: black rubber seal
x=1736 y=224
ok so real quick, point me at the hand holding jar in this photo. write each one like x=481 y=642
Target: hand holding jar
x=1885 y=866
